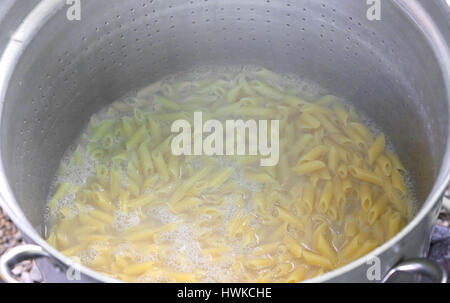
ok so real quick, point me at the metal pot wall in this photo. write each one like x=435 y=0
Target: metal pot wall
x=55 y=73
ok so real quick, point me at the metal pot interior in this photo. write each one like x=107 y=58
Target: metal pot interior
x=71 y=69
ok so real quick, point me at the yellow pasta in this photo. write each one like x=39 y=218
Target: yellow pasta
x=325 y=197
x=139 y=212
x=376 y=149
x=308 y=167
x=365 y=175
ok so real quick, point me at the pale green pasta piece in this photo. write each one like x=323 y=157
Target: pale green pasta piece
x=155 y=129
x=95 y=152
x=101 y=129
x=102 y=173
x=77 y=157
x=266 y=74
x=122 y=156
x=128 y=126
x=267 y=90
x=139 y=116
x=108 y=141
x=167 y=103
x=136 y=138
x=149 y=90
x=233 y=94
x=63 y=190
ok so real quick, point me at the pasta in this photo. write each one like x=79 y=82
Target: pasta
x=139 y=212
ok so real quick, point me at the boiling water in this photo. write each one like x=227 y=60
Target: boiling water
x=204 y=242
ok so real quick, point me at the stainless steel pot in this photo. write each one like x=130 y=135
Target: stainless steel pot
x=55 y=73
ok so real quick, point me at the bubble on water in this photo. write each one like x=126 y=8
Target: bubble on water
x=123 y=221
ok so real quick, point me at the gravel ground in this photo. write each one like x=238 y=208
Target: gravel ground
x=27 y=271
x=10 y=236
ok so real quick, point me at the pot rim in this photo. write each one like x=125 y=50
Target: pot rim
x=47 y=8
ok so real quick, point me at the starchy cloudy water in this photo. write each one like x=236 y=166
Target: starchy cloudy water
x=125 y=206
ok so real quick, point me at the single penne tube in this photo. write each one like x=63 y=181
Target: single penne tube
x=133 y=187
x=139 y=116
x=396 y=164
x=100 y=130
x=149 y=90
x=325 y=248
x=350 y=229
x=376 y=149
x=308 y=198
x=60 y=192
x=317 y=109
x=394 y=197
x=257 y=111
x=267 y=90
x=260 y=177
x=181 y=191
x=365 y=196
x=144 y=200
x=134 y=173
x=318 y=260
x=124 y=201
x=351 y=247
x=155 y=129
x=145 y=159
x=173 y=165
x=338 y=193
x=264 y=249
x=325 y=197
x=100 y=199
x=362 y=130
x=327 y=100
x=333 y=159
x=347 y=185
x=365 y=175
x=314 y=154
x=294 y=247
x=342 y=171
x=136 y=138
x=185 y=204
x=365 y=248
x=342 y=140
x=128 y=126
x=342 y=115
x=233 y=94
x=260 y=263
x=385 y=165
x=356 y=139
x=397 y=181
x=377 y=209
x=91 y=221
x=308 y=167
x=299 y=145
x=289 y=218
x=115 y=182
x=167 y=103
x=394 y=224
x=102 y=216
x=138 y=268
x=308 y=121
x=160 y=165
x=329 y=126
x=221 y=177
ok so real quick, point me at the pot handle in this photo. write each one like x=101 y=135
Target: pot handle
x=17 y=255
x=425 y=267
